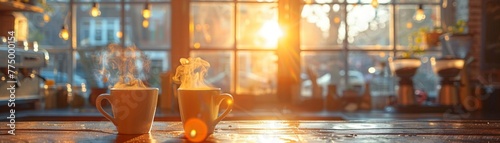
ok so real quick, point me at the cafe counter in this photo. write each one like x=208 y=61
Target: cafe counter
x=265 y=131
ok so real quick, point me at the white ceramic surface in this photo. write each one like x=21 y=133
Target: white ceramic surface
x=203 y=105
x=133 y=109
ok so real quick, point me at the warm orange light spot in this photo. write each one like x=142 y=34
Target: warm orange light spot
x=119 y=34
x=336 y=20
x=46 y=18
x=195 y=130
x=229 y=102
x=94 y=11
x=196 y=45
x=145 y=23
x=375 y=3
x=64 y=33
x=270 y=32
x=409 y=25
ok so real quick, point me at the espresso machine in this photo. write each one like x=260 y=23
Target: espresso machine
x=24 y=75
x=405 y=69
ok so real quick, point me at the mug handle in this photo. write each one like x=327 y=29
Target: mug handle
x=99 y=106
x=222 y=97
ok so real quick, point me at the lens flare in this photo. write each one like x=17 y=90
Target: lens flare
x=195 y=130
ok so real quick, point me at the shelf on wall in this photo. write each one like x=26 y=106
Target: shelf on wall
x=7 y=5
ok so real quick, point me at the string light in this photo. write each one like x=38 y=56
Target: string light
x=146 y=12
x=64 y=34
x=95 y=12
x=35 y=46
x=419 y=14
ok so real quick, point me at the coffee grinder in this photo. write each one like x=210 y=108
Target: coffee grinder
x=448 y=70
x=405 y=69
x=455 y=51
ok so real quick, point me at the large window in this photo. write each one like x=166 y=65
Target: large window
x=369 y=35
x=120 y=22
x=338 y=39
x=239 y=40
x=341 y=42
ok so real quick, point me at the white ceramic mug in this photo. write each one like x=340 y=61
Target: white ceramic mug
x=133 y=109
x=204 y=105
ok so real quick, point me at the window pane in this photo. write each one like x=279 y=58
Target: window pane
x=408 y=28
x=153 y=33
x=258 y=26
x=160 y=63
x=425 y=79
x=45 y=29
x=258 y=0
x=95 y=31
x=370 y=67
x=57 y=68
x=257 y=73
x=322 y=26
x=368 y=1
x=220 y=72
x=212 y=25
x=369 y=28
x=418 y=1
x=342 y=1
x=325 y=66
x=88 y=65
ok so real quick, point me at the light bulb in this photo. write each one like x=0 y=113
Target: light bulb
x=35 y=46
x=146 y=12
x=46 y=18
x=419 y=14
x=145 y=23
x=64 y=34
x=95 y=12
x=375 y=3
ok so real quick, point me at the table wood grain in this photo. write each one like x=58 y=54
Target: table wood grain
x=273 y=131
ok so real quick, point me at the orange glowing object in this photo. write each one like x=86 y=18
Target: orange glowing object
x=94 y=11
x=195 y=130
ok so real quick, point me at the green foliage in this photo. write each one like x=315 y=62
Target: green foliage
x=417 y=41
x=458 y=28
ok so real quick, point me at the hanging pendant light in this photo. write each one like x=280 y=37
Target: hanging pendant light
x=95 y=12
x=419 y=14
x=64 y=34
x=146 y=12
x=374 y=3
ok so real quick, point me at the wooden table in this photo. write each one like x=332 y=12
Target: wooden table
x=265 y=131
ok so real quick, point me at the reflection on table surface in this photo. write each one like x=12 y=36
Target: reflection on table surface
x=267 y=131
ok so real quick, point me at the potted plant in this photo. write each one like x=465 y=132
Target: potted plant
x=432 y=36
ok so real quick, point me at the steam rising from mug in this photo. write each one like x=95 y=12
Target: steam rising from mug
x=191 y=73
x=123 y=66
